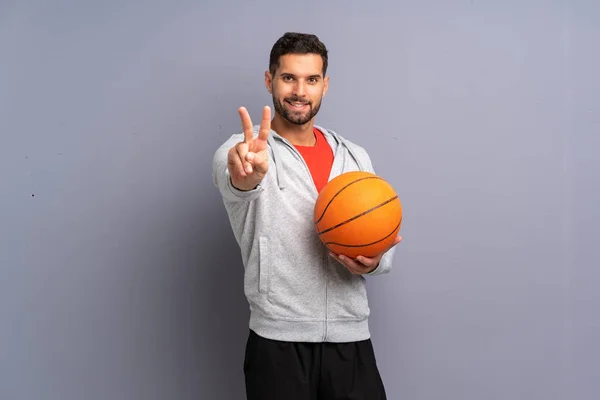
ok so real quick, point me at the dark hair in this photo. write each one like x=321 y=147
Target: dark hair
x=297 y=43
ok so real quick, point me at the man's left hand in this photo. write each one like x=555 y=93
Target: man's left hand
x=363 y=265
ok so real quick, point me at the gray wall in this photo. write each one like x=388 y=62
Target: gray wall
x=120 y=278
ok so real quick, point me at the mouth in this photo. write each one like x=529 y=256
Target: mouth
x=298 y=105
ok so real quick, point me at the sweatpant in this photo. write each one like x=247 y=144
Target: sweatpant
x=276 y=370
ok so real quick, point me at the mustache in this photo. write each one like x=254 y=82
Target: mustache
x=297 y=100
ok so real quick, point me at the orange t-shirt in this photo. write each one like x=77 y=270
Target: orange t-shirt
x=319 y=159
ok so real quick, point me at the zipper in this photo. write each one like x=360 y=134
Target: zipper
x=316 y=192
x=325 y=266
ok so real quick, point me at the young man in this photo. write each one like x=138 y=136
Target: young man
x=309 y=336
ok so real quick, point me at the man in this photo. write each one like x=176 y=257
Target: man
x=309 y=335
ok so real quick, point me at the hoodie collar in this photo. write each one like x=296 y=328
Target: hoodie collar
x=332 y=137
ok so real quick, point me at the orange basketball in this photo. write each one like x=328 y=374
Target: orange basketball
x=357 y=213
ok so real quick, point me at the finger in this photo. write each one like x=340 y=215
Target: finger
x=345 y=262
x=235 y=164
x=358 y=266
x=259 y=160
x=368 y=262
x=265 y=124
x=246 y=124
x=335 y=257
x=353 y=265
x=242 y=150
x=374 y=261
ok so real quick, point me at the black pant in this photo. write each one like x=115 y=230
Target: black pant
x=276 y=370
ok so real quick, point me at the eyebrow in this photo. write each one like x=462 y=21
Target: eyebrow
x=294 y=76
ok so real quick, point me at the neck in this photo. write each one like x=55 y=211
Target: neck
x=298 y=135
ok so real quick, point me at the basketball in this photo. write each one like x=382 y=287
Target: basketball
x=357 y=213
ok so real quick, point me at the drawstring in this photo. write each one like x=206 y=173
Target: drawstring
x=278 y=168
x=360 y=166
x=342 y=142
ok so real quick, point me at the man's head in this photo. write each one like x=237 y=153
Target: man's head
x=297 y=76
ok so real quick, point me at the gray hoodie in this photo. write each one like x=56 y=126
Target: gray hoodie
x=295 y=290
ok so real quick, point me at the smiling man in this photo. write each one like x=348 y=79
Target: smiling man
x=309 y=334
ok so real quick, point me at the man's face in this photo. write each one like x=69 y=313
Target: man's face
x=298 y=87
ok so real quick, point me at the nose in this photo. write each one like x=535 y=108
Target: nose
x=299 y=89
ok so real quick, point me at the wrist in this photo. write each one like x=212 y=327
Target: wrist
x=243 y=187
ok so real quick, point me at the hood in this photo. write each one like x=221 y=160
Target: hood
x=332 y=138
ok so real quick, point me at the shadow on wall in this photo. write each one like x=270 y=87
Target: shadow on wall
x=219 y=311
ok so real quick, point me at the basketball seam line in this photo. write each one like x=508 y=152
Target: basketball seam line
x=364 y=245
x=358 y=215
x=341 y=190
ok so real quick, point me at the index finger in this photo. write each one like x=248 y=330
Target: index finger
x=265 y=124
x=246 y=124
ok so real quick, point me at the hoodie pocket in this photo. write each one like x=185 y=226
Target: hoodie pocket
x=348 y=297
x=263 y=278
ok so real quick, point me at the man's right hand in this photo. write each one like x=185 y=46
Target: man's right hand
x=248 y=161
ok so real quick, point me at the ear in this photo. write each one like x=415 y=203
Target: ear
x=326 y=85
x=268 y=81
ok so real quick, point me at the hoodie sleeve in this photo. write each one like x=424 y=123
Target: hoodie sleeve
x=385 y=264
x=222 y=178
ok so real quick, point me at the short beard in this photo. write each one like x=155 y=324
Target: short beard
x=299 y=119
